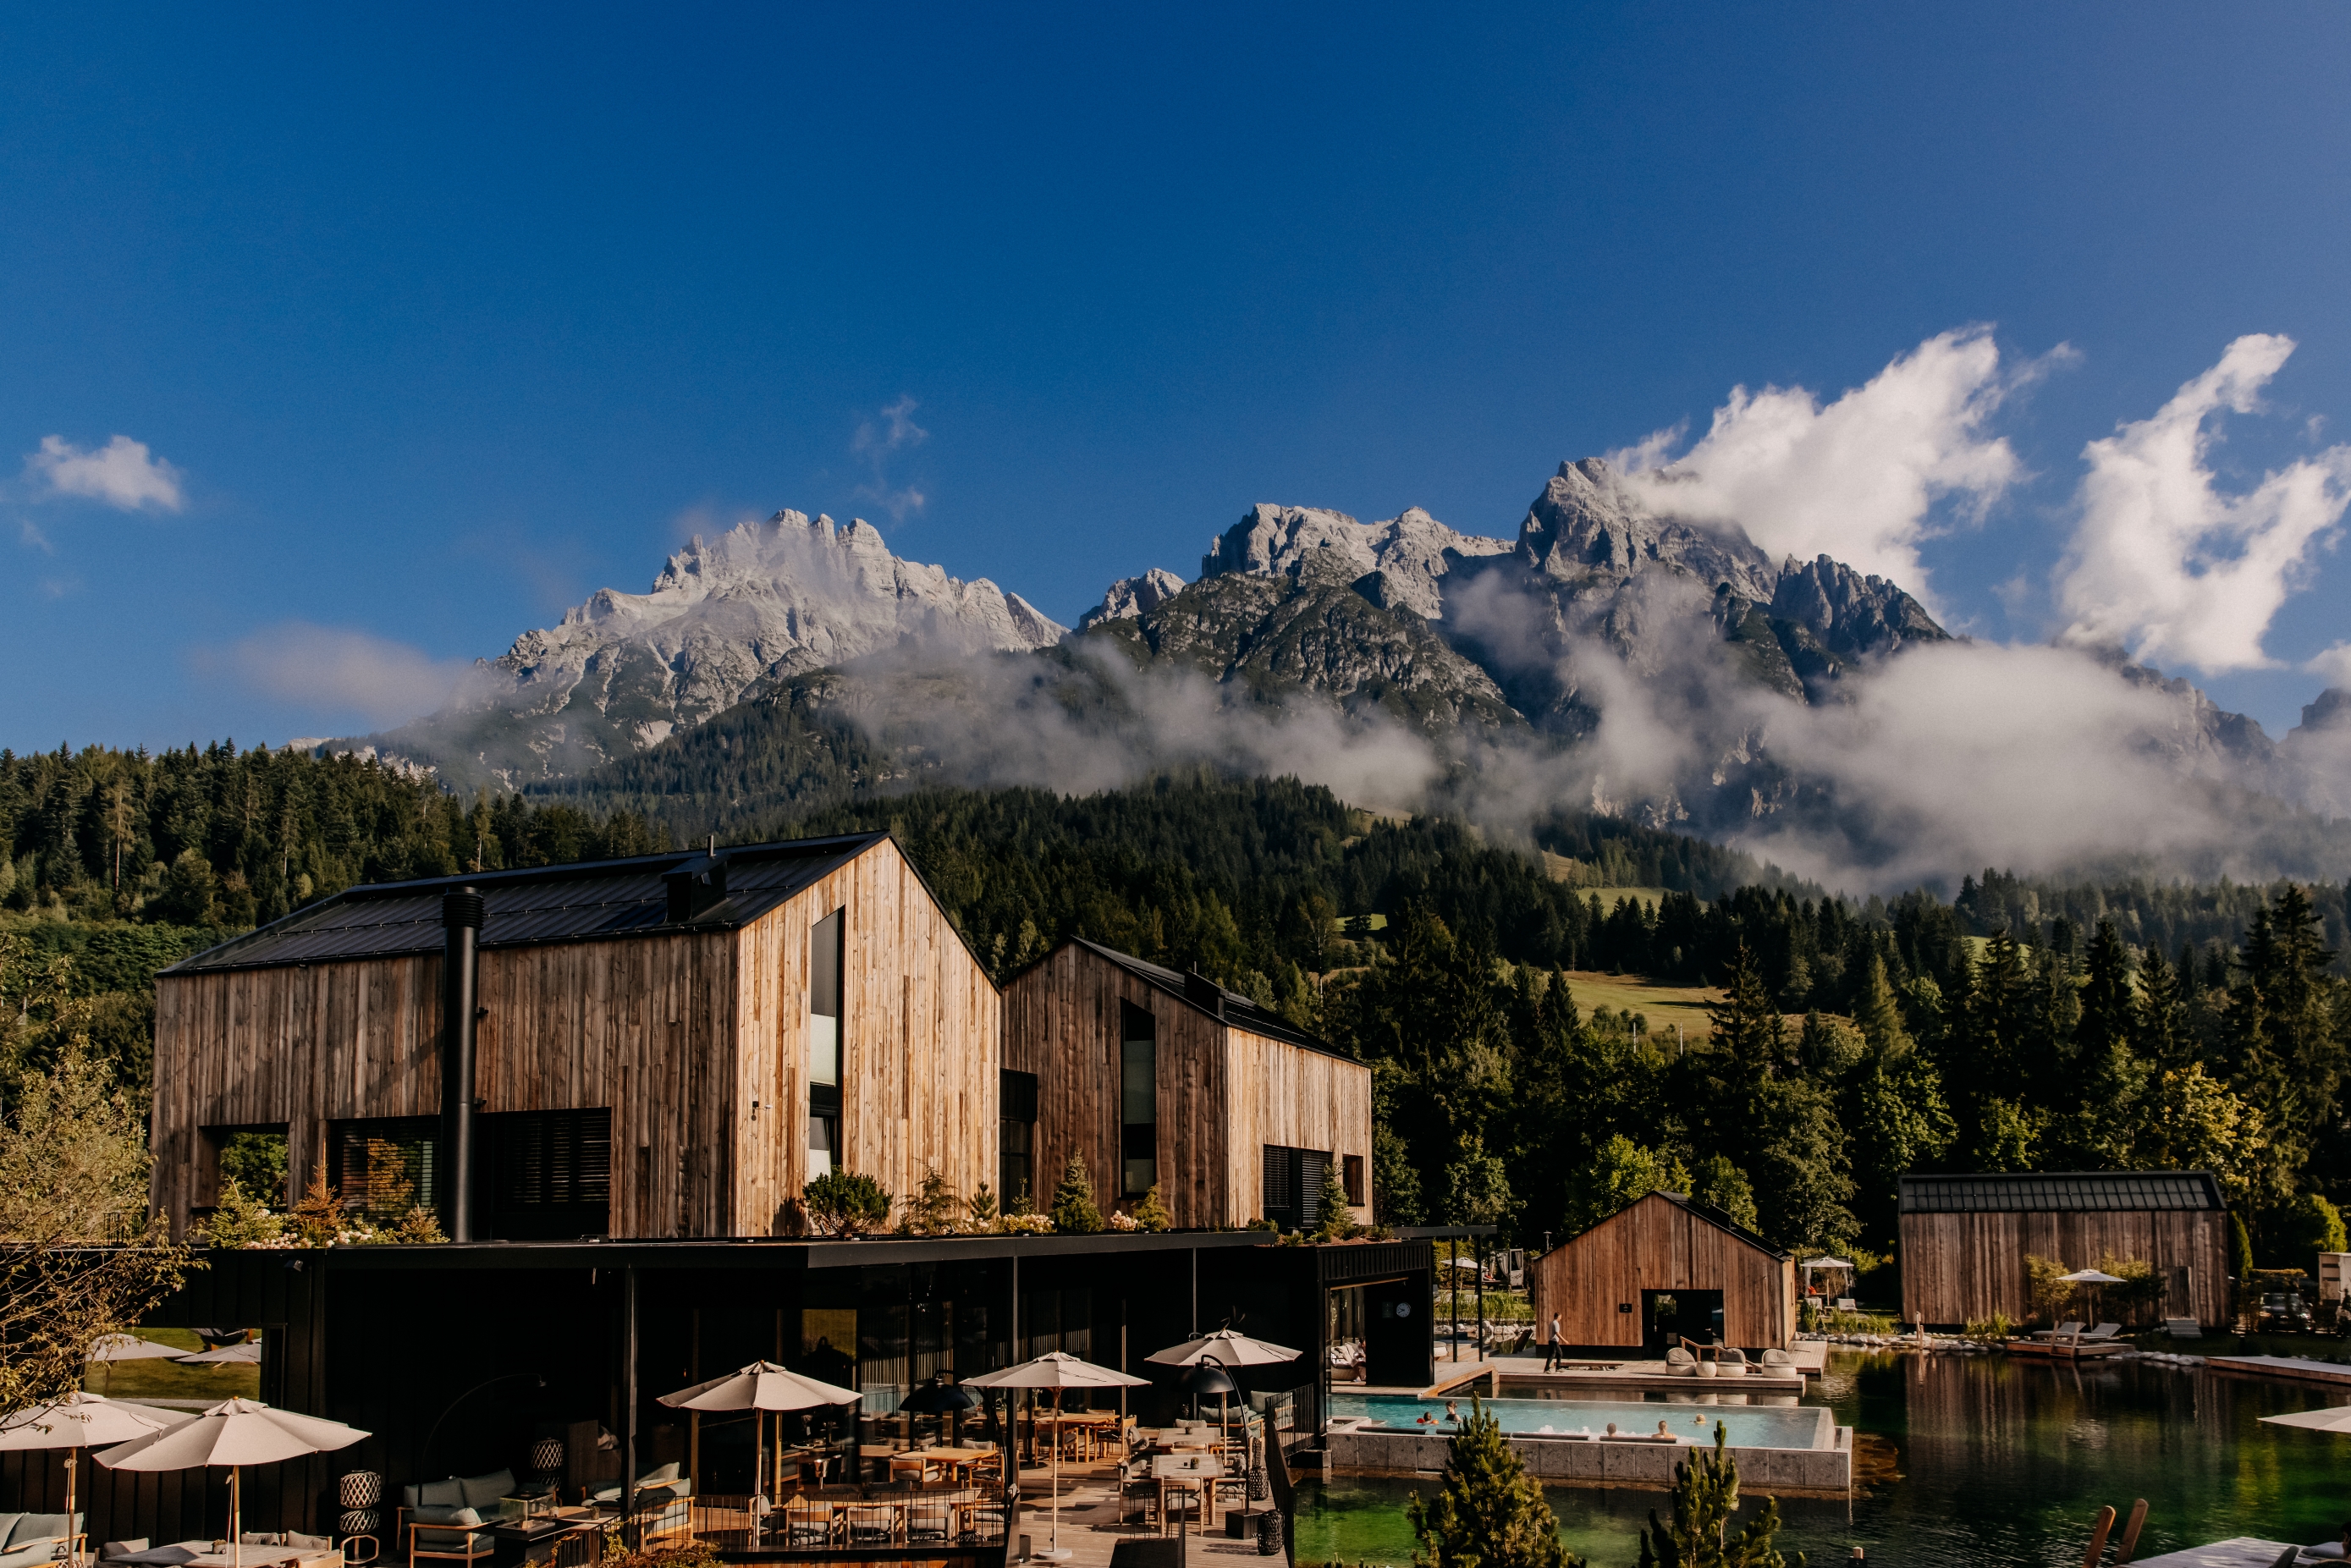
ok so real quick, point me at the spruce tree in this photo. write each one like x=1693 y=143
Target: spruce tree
x=1073 y=1201
x=1705 y=1497
x=1488 y=1512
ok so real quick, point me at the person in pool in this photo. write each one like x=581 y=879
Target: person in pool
x=1425 y=1419
x=1452 y=1412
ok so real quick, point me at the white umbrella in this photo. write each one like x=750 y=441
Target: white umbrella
x=2089 y=1277
x=1226 y=1348
x=248 y=1352
x=77 y=1421
x=2333 y=1419
x=234 y=1433
x=1055 y=1370
x=760 y=1387
x=1827 y=1263
x=129 y=1347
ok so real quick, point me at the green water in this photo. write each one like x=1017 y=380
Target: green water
x=2001 y=1462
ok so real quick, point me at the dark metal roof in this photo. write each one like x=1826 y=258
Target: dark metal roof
x=1235 y=1008
x=591 y=899
x=2057 y=1192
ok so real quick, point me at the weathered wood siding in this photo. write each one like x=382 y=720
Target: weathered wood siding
x=1223 y=1094
x=1658 y=1245
x=1959 y=1267
x=295 y=1046
x=643 y=1026
x=1285 y=1094
x=1061 y=1023
x=921 y=1035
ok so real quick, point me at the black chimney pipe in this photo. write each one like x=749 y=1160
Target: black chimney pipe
x=461 y=917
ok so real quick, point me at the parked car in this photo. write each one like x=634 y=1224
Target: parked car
x=2282 y=1311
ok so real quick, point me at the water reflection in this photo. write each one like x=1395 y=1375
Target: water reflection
x=2001 y=1462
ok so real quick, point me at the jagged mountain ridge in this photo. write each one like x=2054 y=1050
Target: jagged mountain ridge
x=761 y=602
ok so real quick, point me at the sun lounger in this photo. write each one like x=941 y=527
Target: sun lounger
x=2183 y=1328
x=2066 y=1330
x=2104 y=1330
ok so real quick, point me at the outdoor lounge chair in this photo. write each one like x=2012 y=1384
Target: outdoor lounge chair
x=2065 y=1330
x=2183 y=1328
x=2104 y=1330
x=40 y=1537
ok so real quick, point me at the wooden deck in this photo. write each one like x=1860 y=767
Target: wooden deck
x=2238 y=1552
x=1089 y=1522
x=2289 y=1367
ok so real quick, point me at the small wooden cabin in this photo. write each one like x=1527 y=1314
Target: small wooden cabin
x=1965 y=1238
x=667 y=1046
x=1662 y=1269
x=1156 y=1078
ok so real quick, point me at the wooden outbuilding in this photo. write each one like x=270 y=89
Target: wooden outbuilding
x=1662 y=1269
x=1965 y=1238
x=665 y=1046
x=1156 y=1078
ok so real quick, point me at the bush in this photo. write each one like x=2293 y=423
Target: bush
x=2046 y=1287
x=932 y=1210
x=242 y=1219
x=842 y=1203
x=982 y=1207
x=1150 y=1213
x=1991 y=1330
x=1706 y=1496
x=2306 y=1228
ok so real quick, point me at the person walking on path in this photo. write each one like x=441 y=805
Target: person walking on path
x=1552 y=1357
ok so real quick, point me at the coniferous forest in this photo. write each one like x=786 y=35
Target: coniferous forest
x=2016 y=1025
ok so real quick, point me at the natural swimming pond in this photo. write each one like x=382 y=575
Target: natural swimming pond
x=1749 y=1426
x=2001 y=1464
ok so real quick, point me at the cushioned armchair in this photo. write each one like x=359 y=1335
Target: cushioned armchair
x=34 y=1538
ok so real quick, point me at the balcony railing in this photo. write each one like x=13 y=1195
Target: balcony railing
x=871 y=1524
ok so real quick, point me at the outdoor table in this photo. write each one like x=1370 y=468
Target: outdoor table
x=254 y=1556
x=540 y=1527
x=1185 y=1471
x=959 y=1461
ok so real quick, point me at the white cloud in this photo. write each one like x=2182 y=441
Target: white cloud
x=2162 y=562
x=335 y=670
x=2333 y=662
x=1855 y=479
x=123 y=474
x=32 y=538
x=877 y=443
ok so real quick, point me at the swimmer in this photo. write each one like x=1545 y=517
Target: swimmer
x=1661 y=1430
x=1426 y=1419
x=1612 y=1428
x=1452 y=1412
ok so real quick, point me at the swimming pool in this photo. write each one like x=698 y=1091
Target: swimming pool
x=1748 y=1425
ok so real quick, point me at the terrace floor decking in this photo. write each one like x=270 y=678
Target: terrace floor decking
x=2298 y=1368
x=2237 y=1552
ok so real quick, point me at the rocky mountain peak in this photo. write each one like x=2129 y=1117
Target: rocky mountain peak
x=1130 y=597
x=1413 y=549
x=1587 y=523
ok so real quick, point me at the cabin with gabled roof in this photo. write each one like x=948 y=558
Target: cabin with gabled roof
x=665 y=1046
x=1662 y=1269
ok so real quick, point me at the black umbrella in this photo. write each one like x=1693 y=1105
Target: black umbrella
x=1209 y=1377
x=937 y=1396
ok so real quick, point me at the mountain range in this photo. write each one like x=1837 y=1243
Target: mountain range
x=1611 y=655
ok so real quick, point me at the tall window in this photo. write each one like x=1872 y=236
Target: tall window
x=1138 y=1132
x=825 y=1044
x=383 y=1166
x=1015 y=1172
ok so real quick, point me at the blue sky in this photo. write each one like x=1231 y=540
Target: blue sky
x=444 y=319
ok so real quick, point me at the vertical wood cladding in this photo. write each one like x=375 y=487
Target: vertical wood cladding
x=921 y=1042
x=677 y=1034
x=1958 y=1267
x=1223 y=1094
x=1657 y=1244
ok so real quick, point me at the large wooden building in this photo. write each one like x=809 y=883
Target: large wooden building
x=1965 y=1238
x=669 y=1046
x=1662 y=1269
x=1160 y=1079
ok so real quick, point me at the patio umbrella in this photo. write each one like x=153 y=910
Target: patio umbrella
x=2333 y=1419
x=935 y=1395
x=110 y=1348
x=2089 y=1276
x=1056 y=1370
x=760 y=1387
x=77 y=1421
x=246 y=1354
x=1226 y=1348
x=234 y=1433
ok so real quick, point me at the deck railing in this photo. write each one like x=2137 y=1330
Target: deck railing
x=871 y=1523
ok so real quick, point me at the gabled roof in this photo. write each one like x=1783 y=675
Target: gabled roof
x=2059 y=1192
x=588 y=899
x=1234 y=1007
x=1718 y=1219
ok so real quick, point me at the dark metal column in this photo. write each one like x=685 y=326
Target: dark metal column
x=629 y=1407
x=461 y=918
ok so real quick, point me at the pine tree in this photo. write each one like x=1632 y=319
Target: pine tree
x=1875 y=1010
x=1705 y=1497
x=1073 y=1208
x=1336 y=1222
x=1488 y=1512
